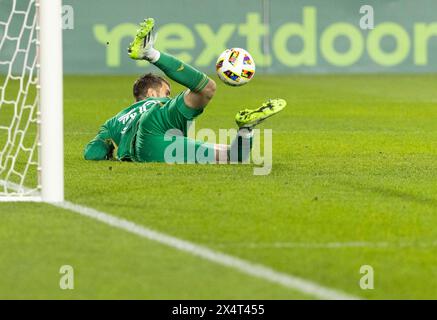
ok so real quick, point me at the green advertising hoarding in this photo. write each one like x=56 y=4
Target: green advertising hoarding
x=284 y=36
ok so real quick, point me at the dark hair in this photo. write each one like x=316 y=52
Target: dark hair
x=145 y=82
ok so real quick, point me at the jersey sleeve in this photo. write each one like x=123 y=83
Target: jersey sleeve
x=101 y=147
x=177 y=108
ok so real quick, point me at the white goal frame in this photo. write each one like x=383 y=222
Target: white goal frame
x=50 y=122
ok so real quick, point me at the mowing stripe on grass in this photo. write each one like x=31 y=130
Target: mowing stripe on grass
x=329 y=245
x=246 y=267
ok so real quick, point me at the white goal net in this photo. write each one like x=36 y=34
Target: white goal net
x=21 y=176
x=18 y=99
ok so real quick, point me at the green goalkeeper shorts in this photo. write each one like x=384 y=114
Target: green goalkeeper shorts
x=157 y=140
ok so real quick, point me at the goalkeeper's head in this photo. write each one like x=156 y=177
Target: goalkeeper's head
x=151 y=85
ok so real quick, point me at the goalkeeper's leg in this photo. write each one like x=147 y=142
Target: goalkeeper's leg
x=201 y=87
x=247 y=119
x=180 y=149
x=155 y=148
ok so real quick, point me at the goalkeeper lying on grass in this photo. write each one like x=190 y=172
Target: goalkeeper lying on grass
x=138 y=132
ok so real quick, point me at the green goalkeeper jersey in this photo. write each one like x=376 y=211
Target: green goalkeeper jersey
x=116 y=134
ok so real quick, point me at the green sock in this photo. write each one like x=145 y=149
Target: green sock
x=182 y=73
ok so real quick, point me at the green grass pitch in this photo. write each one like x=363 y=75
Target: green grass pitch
x=354 y=182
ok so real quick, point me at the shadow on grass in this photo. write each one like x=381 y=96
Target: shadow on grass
x=392 y=193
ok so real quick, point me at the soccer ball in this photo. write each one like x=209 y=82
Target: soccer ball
x=235 y=67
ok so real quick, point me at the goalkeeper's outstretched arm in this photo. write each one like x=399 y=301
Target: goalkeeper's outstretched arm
x=201 y=88
x=100 y=148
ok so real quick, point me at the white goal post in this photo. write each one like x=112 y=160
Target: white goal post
x=31 y=101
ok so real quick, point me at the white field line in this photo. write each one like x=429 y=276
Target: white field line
x=19 y=198
x=329 y=245
x=23 y=194
x=256 y=270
